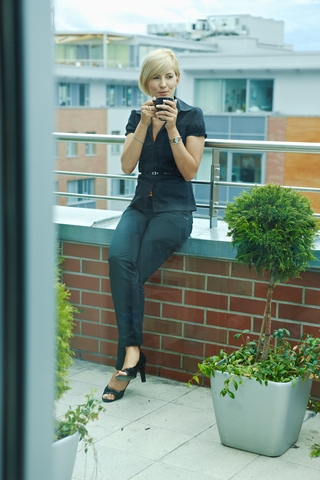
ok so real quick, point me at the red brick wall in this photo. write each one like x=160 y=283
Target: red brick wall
x=194 y=306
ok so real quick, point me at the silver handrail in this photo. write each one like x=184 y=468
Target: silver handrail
x=214 y=144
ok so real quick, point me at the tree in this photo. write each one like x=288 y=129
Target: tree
x=273 y=229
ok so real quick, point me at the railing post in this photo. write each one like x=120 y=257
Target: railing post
x=214 y=188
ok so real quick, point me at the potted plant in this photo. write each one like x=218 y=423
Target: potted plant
x=71 y=427
x=273 y=229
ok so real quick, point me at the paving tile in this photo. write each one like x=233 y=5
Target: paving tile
x=310 y=434
x=78 y=392
x=160 y=471
x=211 y=459
x=266 y=468
x=160 y=388
x=93 y=377
x=211 y=434
x=180 y=418
x=106 y=425
x=176 y=427
x=144 y=440
x=112 y=464
x=197 y=397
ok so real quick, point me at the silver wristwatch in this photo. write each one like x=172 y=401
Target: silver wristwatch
x=176 y=140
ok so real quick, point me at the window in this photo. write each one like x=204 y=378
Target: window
x=234 y=95
x=84 y=94
x=111 y=95
x=246 y=167
x=124 y=96
x=118 y=56
x=261 y=95
x=90 y=148
x=122 y=187
x=85 y=186
x=74 y=94
x=115 y=149
x=127 y=96
x=208 y=95
x=71 y=149
x=64 y=94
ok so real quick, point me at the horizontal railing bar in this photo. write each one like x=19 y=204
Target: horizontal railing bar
x=250 y=185
x=89 y=196
x=215 y=144
x=202 y=182
x=261 y=145
x=98 y=175
x=111 y=175
x=264 y=146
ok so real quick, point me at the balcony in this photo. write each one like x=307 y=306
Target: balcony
x=163 y=429
x=198 y=299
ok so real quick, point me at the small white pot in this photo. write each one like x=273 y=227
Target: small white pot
x=64 y=453
x=261 y=419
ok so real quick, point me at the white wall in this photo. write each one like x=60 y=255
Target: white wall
x=185 y=89
x=297 y=93
x=98 y=94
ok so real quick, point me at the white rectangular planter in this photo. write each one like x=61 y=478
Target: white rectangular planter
x=261 y=419
x=64 y=453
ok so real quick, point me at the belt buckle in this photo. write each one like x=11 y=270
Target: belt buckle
x=154 y=173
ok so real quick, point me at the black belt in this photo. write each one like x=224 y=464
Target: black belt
x=173 y=174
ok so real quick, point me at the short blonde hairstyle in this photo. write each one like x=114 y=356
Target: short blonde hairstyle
x=155 y=63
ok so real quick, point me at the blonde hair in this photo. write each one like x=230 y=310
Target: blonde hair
x=155 y=63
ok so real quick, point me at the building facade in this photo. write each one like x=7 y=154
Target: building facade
x=250 y=85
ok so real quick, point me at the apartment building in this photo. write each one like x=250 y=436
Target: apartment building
x=250 y=85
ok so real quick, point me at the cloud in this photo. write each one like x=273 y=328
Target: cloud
x=299 y=16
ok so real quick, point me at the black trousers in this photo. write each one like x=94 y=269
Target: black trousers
x=142 y=242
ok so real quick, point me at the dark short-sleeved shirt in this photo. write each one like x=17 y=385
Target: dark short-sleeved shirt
x=158 y=172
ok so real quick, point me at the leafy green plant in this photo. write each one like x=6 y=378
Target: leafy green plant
x=315 y=449
x=273 y=229
x=65 y=324
x=77 y=418
x=284 y=363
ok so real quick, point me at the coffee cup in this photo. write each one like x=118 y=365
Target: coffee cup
x=160 y=101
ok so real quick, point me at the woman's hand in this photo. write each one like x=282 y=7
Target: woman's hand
x=168 y=113
x=148 y=111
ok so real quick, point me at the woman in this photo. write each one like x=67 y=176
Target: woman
x=168 y=146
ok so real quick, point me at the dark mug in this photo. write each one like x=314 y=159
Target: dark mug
x=159 y=101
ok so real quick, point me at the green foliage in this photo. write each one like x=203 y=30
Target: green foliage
x=284 y=363
x=273 y=229
x=76 y=420
x=315 y=449
x=64 y=311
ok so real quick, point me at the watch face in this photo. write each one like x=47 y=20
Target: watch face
x=176 y=140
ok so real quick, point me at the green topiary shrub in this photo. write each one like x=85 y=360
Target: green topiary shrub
x=273 y=229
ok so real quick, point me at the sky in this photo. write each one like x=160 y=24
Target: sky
x=301 y=17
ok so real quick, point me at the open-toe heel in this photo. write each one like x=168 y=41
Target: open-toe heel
x=142 y=371
x=116 y=393
x=131 y=373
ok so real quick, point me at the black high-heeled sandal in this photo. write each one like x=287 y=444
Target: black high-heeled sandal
x=116 y=393
x=131 y=373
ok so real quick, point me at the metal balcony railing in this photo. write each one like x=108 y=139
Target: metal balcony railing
x=214 y=182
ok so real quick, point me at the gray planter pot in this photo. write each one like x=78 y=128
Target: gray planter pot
x=261 y=419
x=64 y=453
